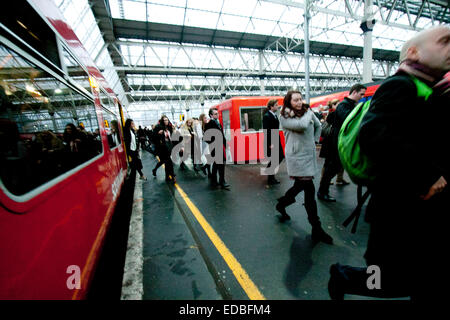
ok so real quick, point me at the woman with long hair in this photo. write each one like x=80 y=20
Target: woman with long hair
x=190 y=140
x=301 y=130
x=163 y=143
x=132 y=147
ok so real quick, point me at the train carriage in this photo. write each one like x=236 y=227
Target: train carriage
x=58 y=188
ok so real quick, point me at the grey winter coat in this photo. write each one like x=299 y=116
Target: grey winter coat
x=300 y=149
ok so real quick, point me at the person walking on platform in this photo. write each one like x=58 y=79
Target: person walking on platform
x=217 y=153
x=406 y=146
x=271 y=126
x=163 y=143
x=301 y=130
x=340 y=181
x=190 y=141
x=132 y=147
x=204 y=150
x=332 y=165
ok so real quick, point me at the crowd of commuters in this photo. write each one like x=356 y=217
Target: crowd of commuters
x=189 y=142
x=399 y=136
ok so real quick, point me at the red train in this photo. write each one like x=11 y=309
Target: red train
x=58 y=185
x=241 y=118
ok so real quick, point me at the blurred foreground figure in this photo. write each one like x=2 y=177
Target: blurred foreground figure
x=407 y=145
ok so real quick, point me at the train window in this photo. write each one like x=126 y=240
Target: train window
x=47 y=127
x=26 y=23
x=74 y=70
x=111 y=128
x=251 y=118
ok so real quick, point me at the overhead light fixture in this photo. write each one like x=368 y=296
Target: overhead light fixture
x=170 y=87
x=31 y=89
x=187 y=86
x=93 y=83
x=58 y=91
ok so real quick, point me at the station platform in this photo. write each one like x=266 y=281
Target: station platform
x=196 y=242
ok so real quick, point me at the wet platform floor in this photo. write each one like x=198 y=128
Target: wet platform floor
x=181 y=262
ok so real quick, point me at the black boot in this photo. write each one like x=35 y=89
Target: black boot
x=336 y=284
x=318 y=234
x=271 y=180
x=283 y=202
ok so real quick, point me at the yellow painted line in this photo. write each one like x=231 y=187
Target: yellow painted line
x=241 y=275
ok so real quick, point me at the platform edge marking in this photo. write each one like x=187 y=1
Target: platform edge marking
x=240 y=274
x=132 y=284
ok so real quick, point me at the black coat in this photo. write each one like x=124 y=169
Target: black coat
x=163 y=147
x=135 y=160
x=127 y=139
x=213 y=125
x=271 y=122
x=398 y=134
x=329 y=147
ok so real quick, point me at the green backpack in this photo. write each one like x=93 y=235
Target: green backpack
x=358 y=165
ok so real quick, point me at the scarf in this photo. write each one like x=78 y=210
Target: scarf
x=292 y=113
x=440 y=83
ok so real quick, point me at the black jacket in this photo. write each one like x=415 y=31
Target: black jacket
x=329 y=147
x=127 y=139
x=213 y=125
x=163 y=147
x=398 y=134
x=271 y=122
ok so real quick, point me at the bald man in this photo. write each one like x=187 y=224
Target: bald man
x=410 y=196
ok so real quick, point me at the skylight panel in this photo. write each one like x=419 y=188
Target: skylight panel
x=244 y=8
x=134 y=10
x=233 y=23
x=269 y=11
x=202 y=19
x=210 y=5
x=114 y=8
x=176 y=3
x=166 y=14
x=293 y=15
x=263 y=27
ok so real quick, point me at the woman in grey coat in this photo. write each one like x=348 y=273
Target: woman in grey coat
x=301 y=130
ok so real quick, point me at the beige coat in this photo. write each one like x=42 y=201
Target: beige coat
x=300 y=135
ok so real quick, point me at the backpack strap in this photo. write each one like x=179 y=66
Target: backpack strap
x=423 y=90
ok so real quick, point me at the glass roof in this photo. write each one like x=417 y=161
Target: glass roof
x=150 y=67
x=267 y=18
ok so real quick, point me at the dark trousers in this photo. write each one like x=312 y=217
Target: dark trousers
x=406 y=241
x=310 y=201
x=332 y=167
x=280 y=159
x=218 y=168
x=136 y=163
x=168 y=165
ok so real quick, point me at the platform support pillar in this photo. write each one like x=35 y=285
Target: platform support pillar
x=367 y=26
x=307 y=17
x=261 y=72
